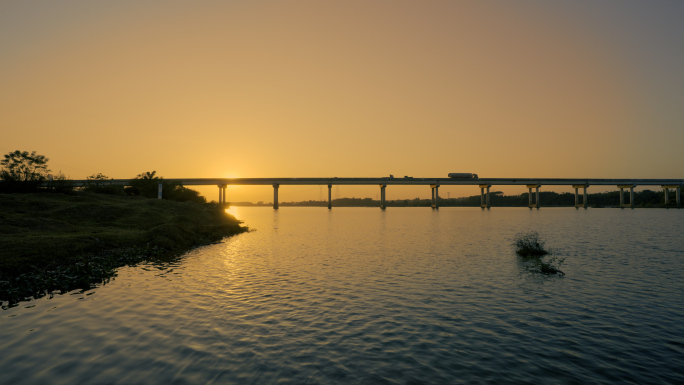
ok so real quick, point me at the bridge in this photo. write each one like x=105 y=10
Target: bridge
x=483 y=183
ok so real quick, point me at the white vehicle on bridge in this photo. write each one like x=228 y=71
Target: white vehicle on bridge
x=462 y=175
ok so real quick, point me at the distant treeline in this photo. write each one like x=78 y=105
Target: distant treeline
x=646 y=198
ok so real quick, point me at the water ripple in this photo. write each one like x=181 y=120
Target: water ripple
x=360 y=296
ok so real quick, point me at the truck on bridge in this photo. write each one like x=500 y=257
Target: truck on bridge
x=462 y=175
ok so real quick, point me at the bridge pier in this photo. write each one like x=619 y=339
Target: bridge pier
x=667 y=193
x=536 y=202
x=435 y=196
x=622 y=195
x=584 y=199
x=329 y=196
x=382 y=196
x=484 y=201
x=275 y=196
x=222 y=194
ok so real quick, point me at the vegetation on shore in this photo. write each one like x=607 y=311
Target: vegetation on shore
x=53 y=241
x=530 y=248
x=60 y=242
x=56 y=237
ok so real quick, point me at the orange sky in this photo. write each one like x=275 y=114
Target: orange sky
x=345 y=88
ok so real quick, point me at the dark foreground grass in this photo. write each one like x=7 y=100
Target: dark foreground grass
x=53 y=242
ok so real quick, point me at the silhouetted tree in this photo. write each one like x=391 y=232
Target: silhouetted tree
x=97 y=183
x=24 y=167
x=147 y=185
x=60 y=183
x=182 y=194
x=23 y=171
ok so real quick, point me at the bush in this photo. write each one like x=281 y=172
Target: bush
x=100 y=184
x=179 y=193
x=60 y=183
x=529 y=244
x=147 y=185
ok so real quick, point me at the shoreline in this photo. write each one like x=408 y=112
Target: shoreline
x=53 y=242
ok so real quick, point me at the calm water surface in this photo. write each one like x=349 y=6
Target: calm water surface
x=364 y=296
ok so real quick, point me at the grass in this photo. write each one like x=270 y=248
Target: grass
x=530 y=247
x=56 y=242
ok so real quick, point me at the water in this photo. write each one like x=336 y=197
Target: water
x=364 y=296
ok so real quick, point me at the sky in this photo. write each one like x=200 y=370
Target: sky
x=504 y=89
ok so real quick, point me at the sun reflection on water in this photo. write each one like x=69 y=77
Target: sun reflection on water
x=234 y=211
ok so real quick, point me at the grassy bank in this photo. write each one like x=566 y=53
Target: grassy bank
x=51 y=241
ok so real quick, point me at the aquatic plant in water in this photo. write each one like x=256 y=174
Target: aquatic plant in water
x=551 y=266
x=530 y=246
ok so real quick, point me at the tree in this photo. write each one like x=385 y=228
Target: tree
x=99 y=183
x=24 y=167
x=176 y=192
x=148 y=176
x=147 y=185
x=96 y=180
x=144 y=184
x=22 y=172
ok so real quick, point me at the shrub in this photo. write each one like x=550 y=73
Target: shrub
x=147 y=185
x=60 y=183
x=100 y=184
x=183 y=194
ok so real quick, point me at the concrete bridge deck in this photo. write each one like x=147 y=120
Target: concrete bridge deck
x=434 y=183
x=407 y=181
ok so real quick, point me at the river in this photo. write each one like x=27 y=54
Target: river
x=366 y=296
